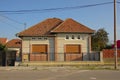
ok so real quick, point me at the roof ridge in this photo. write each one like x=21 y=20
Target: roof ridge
x=66 y=25
x=39 y=28
x=62 y=23
x=35 y=25
x=78 y=22
x=57 y=26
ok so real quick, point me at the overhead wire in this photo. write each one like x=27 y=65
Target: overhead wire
x=52 y=9
x=9 y=25
x=48 y=9
x=44 y=10
x=12 y=28
x=11 y=19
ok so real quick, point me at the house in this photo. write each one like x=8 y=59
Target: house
x=15 y=45
x=56 y=40
x=3 y=41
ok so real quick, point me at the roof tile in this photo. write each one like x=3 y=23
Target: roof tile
x=14 y=43
x=55 y=25
x=42 y=28
x=3 y=41
x=72 y=26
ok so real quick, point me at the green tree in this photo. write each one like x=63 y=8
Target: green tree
x=2 y=47
x=99 y=40
x=109 y=46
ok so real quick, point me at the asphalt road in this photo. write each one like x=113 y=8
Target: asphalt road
x=59 y=74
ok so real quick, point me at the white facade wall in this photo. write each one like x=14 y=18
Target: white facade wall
x=62 y=41
x=27 y=43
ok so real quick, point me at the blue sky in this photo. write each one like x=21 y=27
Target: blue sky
x=94 y=17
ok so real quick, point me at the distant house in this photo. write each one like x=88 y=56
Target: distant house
x=3 y=41
x=56 y=40
x=15 y=44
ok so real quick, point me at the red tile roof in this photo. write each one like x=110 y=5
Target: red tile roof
x=41 y=29
x=14 y=43
x=71 y=26
x=55 y=25
x=3 y=41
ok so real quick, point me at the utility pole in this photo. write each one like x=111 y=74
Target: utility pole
x=115 y=33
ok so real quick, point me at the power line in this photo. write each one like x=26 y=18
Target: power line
x=9 y=24
x=11 y=19
x=53 y=9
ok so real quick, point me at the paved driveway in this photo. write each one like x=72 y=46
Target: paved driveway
x=59 y=74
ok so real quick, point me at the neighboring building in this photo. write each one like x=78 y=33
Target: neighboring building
x=15 y=44
x=3 y=41
x=56 y=40
x=118 y=44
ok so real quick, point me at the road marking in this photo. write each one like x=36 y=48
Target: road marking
x=93 y=78
x=83 y=71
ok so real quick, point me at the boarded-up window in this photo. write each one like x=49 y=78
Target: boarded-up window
x=73 y=52
x=73 y=49
x=39 y=48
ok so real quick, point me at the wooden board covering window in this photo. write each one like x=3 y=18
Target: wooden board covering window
x=73 y=49
x=39 y=48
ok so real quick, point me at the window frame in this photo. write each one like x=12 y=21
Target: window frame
x=67 y=37
x=72 y=37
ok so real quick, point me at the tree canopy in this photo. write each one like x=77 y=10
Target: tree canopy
x=2 y=47
x=99 y=40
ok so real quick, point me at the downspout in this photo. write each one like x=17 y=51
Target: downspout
x=55 y=48
x=88 y=46
x=29 y=50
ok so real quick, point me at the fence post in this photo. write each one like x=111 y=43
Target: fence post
x=101 y=56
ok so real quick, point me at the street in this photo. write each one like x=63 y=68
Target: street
x=59 y=74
